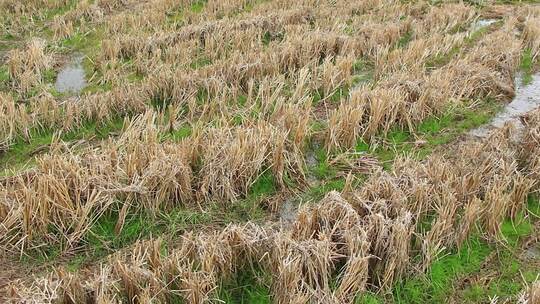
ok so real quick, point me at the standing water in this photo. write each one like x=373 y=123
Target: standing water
x=71 y=78
x=527 y=99
x=287 y=213
x=480 y=24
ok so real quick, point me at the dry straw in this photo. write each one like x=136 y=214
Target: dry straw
x=366 y=241
x=273 y=58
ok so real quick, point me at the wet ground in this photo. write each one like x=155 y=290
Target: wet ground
x=527 y=99
x=71 y=79
x=480 y=24
x=288 y=212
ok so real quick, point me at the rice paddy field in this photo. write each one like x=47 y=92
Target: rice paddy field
x=269 y=151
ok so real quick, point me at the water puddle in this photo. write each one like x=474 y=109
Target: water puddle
x=311 y=160
x=527 y=99
x=480 y=24
x=71 y=78
x=288 y=212
x=532 y=253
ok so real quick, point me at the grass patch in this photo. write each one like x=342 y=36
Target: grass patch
x=21 y=154
x=198 y=6
x=178 y=134
x=200 y=61
x=102 y=237
x=316 y=193
x=526 y=66
x=431 y=133
x=249 y=286
x=514 y=231
x=369 y=298
x=264 y=185
x=49 y=76
x=533 y=206
x=4 y=77
x=363 y=72
x=405 y=39
x=322 y=168
x=504 y=278
x=434 y=287
x=268 y=37
x=440 y=283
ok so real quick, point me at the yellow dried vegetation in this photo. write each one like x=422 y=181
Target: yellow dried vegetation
x=373 y=234
x=69 y=191
x=243 y=76
x=26 y=66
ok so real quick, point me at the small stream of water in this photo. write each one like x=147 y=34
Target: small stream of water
x=527 y=99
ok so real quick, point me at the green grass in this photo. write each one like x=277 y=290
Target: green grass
x=434 y=286
x=432 y=132
x=268 y=37
x=251 y=207
x=533 y=206
x=369 y=298
x=198 y=6
x=21 y=154
x=178 y=134
x=264 y=185
x=514 y=231
x=4 y=77
x=322 y=169
x=248 y=286
x=505 y=279
x=334 y=96
x=102 y=238
x=440 y=281
x=76 y=263
x=526 y=66
x=49 y=76
x=405 y=39
x=316 y=193
x=200 y=61
x=363 y=72
x=77 y=41
x=176 y=16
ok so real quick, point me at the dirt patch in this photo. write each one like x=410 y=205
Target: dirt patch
x=9 y=272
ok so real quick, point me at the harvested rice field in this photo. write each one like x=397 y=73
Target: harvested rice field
x=269 y=151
